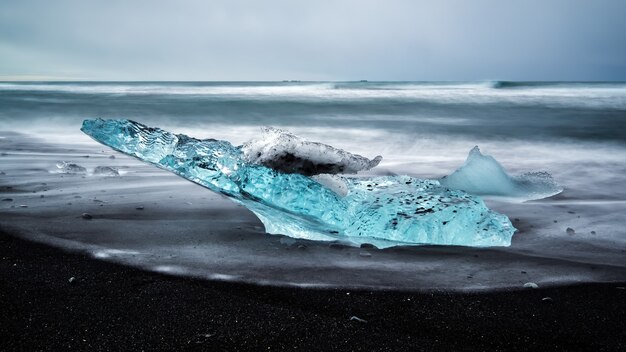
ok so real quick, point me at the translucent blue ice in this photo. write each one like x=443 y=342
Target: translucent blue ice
x=385 y=211
x=483 y=175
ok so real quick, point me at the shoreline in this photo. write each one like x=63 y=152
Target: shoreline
x=112 y=306
x=152 y=219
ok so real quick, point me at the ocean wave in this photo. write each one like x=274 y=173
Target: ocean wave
x=556 y=84
x=547 y=94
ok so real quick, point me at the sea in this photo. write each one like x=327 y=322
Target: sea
x=576 y=131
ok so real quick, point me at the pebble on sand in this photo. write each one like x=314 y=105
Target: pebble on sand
x=570 y=231
x=531 y=285
x=139 y=207
x=593 y=232
x=7 y=199
x=87 y=216
x=365 y=254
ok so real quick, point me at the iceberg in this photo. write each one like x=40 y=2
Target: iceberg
x=483 y=175
x=385 y=211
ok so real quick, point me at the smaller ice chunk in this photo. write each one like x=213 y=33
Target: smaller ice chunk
x=483 y=175
x=70 y=168
x=285 y=152
x=105 y=171
x=531 y=285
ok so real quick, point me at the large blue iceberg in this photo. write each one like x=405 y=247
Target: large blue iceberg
x=276 y=183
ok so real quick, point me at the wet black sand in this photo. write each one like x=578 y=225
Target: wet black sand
x=114 y=307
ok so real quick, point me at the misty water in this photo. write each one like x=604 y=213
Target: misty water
x=149 y=218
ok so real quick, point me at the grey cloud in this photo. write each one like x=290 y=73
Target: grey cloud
x=341 y=40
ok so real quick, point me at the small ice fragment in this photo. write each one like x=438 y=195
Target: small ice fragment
x=531 y=285
x=70 y=168
x=105 y=171
x=570 y=231
x=365 y=254
x=367 y=245
x=354 y=317
x=87 y=216
x=71 y=280
x=547 y=299
x=483 y=175
x=23 y=206
x=139 y=207
x=7 y=199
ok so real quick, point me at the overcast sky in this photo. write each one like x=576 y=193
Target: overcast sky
x=313 y=40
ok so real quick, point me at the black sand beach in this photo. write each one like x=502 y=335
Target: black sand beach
x=114 y=307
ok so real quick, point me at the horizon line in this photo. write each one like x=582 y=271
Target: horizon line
x=297 y=81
